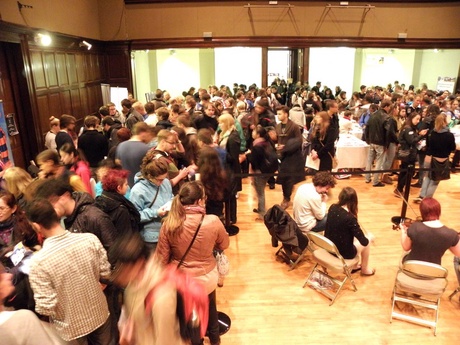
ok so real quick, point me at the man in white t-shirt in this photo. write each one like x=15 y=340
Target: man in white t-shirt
x=310 y=203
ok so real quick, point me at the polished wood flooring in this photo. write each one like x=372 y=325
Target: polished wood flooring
x=268 y=305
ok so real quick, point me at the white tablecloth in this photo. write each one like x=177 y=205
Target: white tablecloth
x=351 y=152
x=456 y=132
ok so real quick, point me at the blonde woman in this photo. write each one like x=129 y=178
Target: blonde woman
x=187 y=217
x=230 y=141
x=50 y=137
x=16 y=181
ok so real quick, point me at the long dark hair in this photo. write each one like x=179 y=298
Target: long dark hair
x=212 y=174
x=408 y=122
x=349 y=198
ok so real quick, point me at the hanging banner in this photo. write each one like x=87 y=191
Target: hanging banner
x=5 y=147
x=446 y=84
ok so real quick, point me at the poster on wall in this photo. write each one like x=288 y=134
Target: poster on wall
x=11 y=124
x=446 y=83
x=6 y=156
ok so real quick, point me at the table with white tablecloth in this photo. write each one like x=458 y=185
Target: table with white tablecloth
x=456 y=132
x=351 y=152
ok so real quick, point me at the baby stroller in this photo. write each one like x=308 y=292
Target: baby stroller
x=284 y=229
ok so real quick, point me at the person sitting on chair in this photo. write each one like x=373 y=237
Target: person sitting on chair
x=310 y=203
x=343 y=229
x=429 y=239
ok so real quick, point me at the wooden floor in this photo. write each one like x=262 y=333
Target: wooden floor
x=268 y=305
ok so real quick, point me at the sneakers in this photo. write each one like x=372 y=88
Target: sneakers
x=380 y=184
x=418 y=200
x=416 y=185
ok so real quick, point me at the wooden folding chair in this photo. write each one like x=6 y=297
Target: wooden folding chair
x=328 y=258
x=420 y=284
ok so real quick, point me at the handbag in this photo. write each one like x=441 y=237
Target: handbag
x=223 y=265
x=440 y=170
x=403 y=154
x=335 y=161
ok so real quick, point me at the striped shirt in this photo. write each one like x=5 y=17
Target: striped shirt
x=64 y=277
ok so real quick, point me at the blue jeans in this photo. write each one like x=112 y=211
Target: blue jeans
x=390 y=156
x=320 y=225
x=428 y=187
x=376 y=152
x=259 y=183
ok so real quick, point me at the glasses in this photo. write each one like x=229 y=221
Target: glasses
x=171 y=142
x=4 y=208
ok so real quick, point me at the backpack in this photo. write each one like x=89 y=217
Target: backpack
x=192 y=308
x=270 y=162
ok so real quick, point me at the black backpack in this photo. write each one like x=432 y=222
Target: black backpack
x=270 y=163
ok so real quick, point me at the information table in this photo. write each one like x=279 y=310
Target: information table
x=351 y=152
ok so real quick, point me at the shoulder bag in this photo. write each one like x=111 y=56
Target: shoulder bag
x=191 y=243
x=440 y=170
x=189 y=330
x=335 y=161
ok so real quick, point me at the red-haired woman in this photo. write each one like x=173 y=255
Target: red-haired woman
x=112 y=201
x=428 y=240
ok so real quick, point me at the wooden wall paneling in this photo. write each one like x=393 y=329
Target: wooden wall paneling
x=50 y=69
x=71 y=68
x=85 y=108
x=92 y=67
x=117 y=63
x=94 y=97
x=38 y=72
x=66 y=103
x=82 y=68
x=44 y=112
x=61 y=68
x=77 y=110
x=55 y=109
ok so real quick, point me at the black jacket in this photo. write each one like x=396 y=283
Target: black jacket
x=86 y=217
x=408 y=139
x=124 y=215
x=375 y=129
x=281 y=226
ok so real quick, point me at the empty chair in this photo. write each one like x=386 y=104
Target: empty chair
x=328 y=260
x=420 y=284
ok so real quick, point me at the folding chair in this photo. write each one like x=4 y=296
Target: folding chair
x=420 y=284
x=328 y=258
x=285 y=254
x=284 y=229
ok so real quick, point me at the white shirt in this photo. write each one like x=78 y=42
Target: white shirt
x=308 y=207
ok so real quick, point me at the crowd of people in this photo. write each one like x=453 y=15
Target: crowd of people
x=157 y=184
